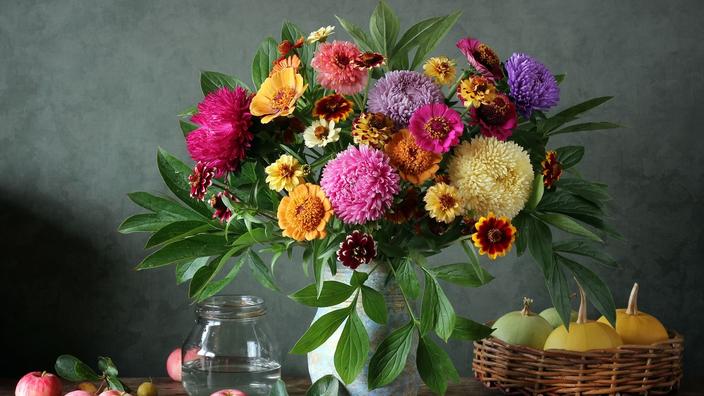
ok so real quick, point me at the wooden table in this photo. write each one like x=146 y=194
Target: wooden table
x=298 y=387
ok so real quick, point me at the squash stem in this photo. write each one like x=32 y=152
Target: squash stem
x=582 y=314
x=526 y=306
x=633 y=301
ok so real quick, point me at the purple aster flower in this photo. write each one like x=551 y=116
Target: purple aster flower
x=532 y=85
x=400 y=93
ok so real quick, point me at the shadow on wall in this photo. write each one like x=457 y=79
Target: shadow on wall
x=50 y=286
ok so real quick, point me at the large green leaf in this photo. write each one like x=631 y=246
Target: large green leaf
x=436 y=310
x=469 y=330
x=461 y=274
x=352 y=349
x=557 y=286
x=596 y=193
x=374 y=305
x=190 y=248
x=73 y=369
x=428 y=305
x=569 y=156
x=424 y=35
x=437 y=33
x=163 y=206
x=360 y=37
x=176 y=231
x=586 y=249
x=576 y=110
x=320 y=331
x=211 y=81
x=279 y=388
x=187 y=127
x=561 y=201
x=482 y=275
x=143 y=222
x=587 y=126
x=597 y=291
x=325 y=386
x=187 y=268
x=333 y=293
x=175 y=174
x=390 y=357
x=214 y=287
x=537 y=191
x=384 y=26
x=261 y=271
x=265 y=56
x=567 y=224
x=540 y=243
x=434 y=366
x=204 y=275
x=408 y=279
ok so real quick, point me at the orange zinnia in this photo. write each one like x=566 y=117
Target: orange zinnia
x=412 y=162
x=292 y=61
x=304 y=214
x=277 y=95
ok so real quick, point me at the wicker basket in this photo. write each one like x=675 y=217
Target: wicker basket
x=630 y=369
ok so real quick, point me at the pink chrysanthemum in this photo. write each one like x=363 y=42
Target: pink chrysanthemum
x=360 y=183
x=223 y=137
x=436 y=127
x=336 y=69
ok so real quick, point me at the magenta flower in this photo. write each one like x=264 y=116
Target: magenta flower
x=358 y=248
x=481 y=57
x=497 y=119
x=360 y=183
x=223 y=137
x=436 y=127
x=335 y=64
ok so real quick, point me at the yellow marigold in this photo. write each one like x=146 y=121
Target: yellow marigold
x=374 y=129
x=292 y=61
x=440 y=68
x=277 y=95
x=491 y=176
x=320 y=35
x=412 y=162
x=476 y=91
x=443 y=203
x=494 y=236
x=304 y=213
x=285 y=173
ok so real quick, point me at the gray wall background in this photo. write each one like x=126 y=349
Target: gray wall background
x=89 y=89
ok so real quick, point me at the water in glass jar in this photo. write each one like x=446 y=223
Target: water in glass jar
x=252 y=376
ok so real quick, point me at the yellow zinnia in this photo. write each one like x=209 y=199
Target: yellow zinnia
x=443 y=203
x=441 y=68
x=278 y=95
x=304 y=214
x=285 y=173
x=476 y=91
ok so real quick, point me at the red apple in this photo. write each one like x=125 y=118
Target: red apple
x=80 y=393
x=38 y=383
x=173 y=362
x=229 y=392
x=113 y=392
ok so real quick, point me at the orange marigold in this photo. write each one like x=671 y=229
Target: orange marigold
x=412 y=162
x=304 y=214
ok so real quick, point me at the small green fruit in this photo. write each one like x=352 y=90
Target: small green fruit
x=147 y=389
x=554 y=319
x=523 y=327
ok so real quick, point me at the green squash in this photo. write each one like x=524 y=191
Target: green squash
x=523 y=327
x=554 y=319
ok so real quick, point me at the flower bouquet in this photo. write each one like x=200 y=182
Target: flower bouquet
x=372 y=157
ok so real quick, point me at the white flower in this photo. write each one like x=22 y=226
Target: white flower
x=320 y=133
x=321 y=34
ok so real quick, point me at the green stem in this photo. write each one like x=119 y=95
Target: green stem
x=366 y=91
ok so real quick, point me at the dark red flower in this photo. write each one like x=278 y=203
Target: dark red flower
x=405 y=210
x=494 y=236
x=368 y=60
x=286 y=46
x=481 y=57
x=334 y=107
x=498 y=118
x=468 y=226
x=200 y=180
x=552 y=169
x=222 y=212
x=288 y=128
x=358 y=248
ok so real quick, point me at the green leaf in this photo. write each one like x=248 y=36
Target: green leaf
x=434 y=366
x=384 y=26
x=482 y=275
x=437 y=33
x=333 y=293
x=352 y=349
x=408 y=279
x=358 y=278
x=469 y=330
x=556 y=283
x=143 y=222
x=191 y=110
x=597 y=291
x=325 y=386
x=358 y=35
x=587 y=126
x=106 y=365
x=425 y=35
x=562 y=201
x=175 y=174
x=279 y=388
x=428 y=305
x=73 y=369
x=559 y=78
x=261 y=271
x=536 y=192
x=374 y=305
x=190 y=248
x=265 y=56
x=211 y=81
x=176 y=231
x=204 y=275
x=390 y=357
x=586 y=249
x=214 y=287
x=186 y=269
x=566 y=224
x=580 y=108
x=595 y=193
x=540 y=243
x=521 y=233
x=461 y=274
x=320 y=331
x=163 y=206
x=187 y=127
x=569 y=156
x=444 y=314
x=114 y=383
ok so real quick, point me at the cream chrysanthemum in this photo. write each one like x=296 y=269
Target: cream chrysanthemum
x=321 y=34
x=286 y=173
x=491 y=176
x=443 y=203
x=320 y=133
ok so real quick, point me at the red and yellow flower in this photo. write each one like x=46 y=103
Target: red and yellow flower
x=333 y=107
x=552 y=169
x=494 y=236
x=304 y=213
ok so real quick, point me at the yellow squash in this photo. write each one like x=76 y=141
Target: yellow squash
x=637 y=327
x=583 y=335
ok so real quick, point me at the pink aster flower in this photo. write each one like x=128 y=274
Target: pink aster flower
x=335 y=64
x=481 y=57
x=436 y=127
x=360 y=183
x=223 y=137
x=496 y=119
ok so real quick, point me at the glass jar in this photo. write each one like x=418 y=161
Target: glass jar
x=230 y=347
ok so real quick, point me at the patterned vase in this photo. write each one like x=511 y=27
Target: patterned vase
x=321 y=360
